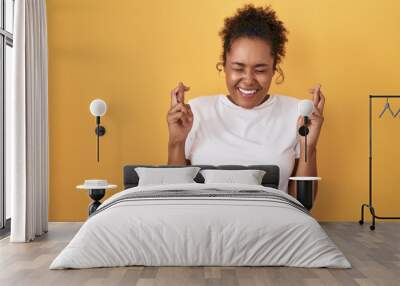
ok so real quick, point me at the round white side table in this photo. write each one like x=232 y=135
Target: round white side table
x=96 y=193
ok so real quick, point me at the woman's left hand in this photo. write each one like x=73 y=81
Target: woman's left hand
x=316 y=119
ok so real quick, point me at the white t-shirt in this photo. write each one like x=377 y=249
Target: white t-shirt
x=224 y=133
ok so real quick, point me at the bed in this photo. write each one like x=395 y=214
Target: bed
x=198 y=224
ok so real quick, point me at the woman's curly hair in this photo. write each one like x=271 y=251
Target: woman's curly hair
x=255 y=22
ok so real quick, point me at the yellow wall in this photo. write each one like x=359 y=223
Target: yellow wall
x=131 y=53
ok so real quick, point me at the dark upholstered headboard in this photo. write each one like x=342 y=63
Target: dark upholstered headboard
x=270 y=179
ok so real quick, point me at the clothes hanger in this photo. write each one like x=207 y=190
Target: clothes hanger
x=387 y=106
x=398 y=111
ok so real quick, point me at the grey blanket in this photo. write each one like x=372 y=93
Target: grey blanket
x=206 y=194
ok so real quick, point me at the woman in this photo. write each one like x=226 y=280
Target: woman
x=248 y=126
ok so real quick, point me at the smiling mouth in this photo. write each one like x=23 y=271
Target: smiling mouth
x=247 y=93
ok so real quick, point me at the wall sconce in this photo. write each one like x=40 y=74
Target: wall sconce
x=98 y=108
x=305 y=108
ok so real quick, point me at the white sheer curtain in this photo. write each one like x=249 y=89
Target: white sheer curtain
x=27 y=124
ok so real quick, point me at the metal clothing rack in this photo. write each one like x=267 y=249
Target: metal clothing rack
x=369 y=205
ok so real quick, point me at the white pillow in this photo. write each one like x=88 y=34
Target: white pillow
x=249 y=177
x=163 y=176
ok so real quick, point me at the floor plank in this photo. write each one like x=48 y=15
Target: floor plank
x=375 y=257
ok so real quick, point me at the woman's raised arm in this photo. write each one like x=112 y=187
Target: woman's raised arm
x=180 y=122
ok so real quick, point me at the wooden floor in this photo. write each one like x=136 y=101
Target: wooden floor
x=375 y=256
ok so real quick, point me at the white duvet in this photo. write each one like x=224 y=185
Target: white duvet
x=200 y=231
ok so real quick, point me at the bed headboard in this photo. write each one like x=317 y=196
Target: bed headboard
x=270 y=179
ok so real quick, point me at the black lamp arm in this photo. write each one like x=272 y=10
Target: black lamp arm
x=303 y=131
x=100 y=131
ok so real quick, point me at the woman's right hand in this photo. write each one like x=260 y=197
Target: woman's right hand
x=180 y=116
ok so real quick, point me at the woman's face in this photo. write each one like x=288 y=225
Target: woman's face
x=249 y=68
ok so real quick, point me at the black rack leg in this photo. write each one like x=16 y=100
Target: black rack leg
x=372 y=227
x=372 y=211
x=361 y=221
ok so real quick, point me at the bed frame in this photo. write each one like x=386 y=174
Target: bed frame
x=270 y=179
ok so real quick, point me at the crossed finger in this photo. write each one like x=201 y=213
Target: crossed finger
x=318 y=99
x=180 y=107
x=177 y=94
